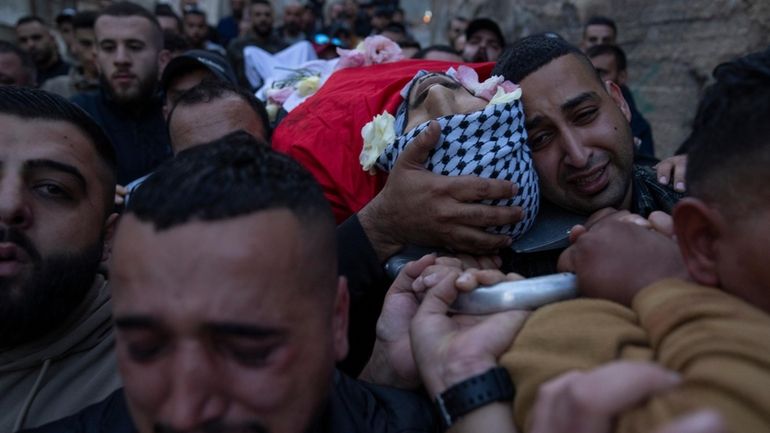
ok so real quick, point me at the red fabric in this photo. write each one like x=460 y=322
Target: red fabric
x=324 y=133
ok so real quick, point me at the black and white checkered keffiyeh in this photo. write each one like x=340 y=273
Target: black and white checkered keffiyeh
x=489 y=143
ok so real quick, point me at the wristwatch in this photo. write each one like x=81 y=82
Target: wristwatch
x=489 y=387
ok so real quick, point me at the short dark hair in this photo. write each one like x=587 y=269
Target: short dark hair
x=395 y=28
x=613 y=50
x=175 y=42
x=30 y=19
x=440 y=48
x=730 y=142
x=230 y=177
x=262 y=2
x=66 y=16
x=383 y=11
x=29 y=103
x=164 y=10
x=193 y=10
x=84 y=20
x=531 y=53
x=410 y=43
x=236 y=176
x=128 y=9
x=210 y=89
x=599 y=20
x=26 y=60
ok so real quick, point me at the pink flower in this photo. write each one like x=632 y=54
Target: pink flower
x=379 y=49
x=468 y=77
x=488 y=88
x=279 y=96
x=350 y=58
x=509 y=87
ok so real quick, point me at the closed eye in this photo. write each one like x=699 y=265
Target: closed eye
x=585 y=116
x=538 y=141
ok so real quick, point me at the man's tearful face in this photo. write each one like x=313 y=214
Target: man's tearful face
x=579 y=135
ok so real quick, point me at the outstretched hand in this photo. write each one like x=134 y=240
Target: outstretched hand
x=392 y=362
x=589 y=402
x=447 y=349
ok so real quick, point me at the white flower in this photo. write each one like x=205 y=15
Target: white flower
x=272 y=111
x=308 y=85
x=503 y=97
x=377 y=134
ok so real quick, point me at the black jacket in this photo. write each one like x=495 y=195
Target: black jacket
x=139 y=135
x=353 y=407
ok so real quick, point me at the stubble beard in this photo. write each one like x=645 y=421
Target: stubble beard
x=37 y=302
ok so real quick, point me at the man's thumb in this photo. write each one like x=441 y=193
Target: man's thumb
x=417 y=150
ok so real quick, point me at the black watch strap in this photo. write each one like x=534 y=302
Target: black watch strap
x=470 y=394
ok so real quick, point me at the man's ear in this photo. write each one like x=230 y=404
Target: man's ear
x=109 y=233
x=340 y=319
x=164 y=56
x=617 y=96
x=697 y=228
x=622 y=77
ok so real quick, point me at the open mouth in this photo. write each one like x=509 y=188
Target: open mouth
x=591 y=182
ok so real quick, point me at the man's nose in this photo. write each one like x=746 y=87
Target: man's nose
x=194 y=397
x=122 y=56
x=15 y=209
x=576 y=153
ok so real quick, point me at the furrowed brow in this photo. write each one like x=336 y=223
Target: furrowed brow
x=533 y=123
x=58 y=166
x=577 y=100
x=240 y=330
x=136 y=322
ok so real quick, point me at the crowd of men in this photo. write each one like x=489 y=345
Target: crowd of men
x=162 y=269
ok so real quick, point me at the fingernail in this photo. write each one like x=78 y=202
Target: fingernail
x=674 y=377
x=430 y=280
x=679 y=186
x=464 y=278
x=417 y=283
x=663 y=180
x=703 y=420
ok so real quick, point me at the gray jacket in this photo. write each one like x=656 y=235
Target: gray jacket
x=63 y=372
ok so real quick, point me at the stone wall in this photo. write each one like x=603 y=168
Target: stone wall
x=672 y=45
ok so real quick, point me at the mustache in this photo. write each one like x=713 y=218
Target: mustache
x=218 y=426
x=15 y=236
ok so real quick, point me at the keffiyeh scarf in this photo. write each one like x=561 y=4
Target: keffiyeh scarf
x=489 y=143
